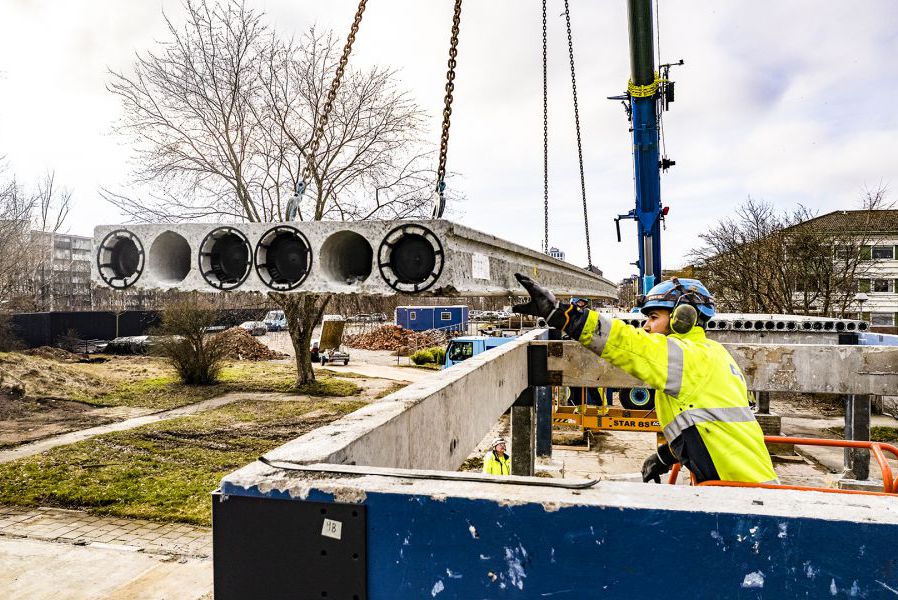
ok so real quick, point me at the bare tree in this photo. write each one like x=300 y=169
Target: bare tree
x=222 y=115
x=28 y=221
x=793 y=262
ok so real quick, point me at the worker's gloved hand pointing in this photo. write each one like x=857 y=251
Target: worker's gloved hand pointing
x=658 y=464
x=543 y=304
x=542 y=301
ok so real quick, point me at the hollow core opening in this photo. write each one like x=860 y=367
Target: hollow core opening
x=124 y=257
x=225 y=258
x=346 y=257
x=413 y=258
x=169 y=258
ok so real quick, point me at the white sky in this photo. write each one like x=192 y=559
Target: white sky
x=790 y=102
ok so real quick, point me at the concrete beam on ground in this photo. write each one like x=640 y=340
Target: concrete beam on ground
x=433 y=257
x=767 y=367
x=432 y=424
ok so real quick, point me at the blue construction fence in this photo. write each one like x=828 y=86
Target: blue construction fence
x=48 y=328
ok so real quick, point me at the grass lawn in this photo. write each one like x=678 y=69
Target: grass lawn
x=164 y=471
x=149 y=382
x=167 y=392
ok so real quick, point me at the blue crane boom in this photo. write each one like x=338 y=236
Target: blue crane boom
x=646 y=94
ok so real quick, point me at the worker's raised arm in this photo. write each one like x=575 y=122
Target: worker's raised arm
x=649 y=357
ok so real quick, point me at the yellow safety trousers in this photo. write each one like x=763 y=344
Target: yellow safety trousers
x=696 y=382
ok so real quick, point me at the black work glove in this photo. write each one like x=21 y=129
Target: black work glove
x=543 y=304
x=658 y=464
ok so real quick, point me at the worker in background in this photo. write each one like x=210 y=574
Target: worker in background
x=700 y=397
x=496 y=461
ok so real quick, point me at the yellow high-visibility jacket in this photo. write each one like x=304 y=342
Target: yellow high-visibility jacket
x=494 y=464
x=698 y=385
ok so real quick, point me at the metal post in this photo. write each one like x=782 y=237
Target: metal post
x=543 y=402
x=857 y=427
x=523 y=434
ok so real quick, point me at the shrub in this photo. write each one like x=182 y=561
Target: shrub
x=422 y=357
x=435 y=355
x=439 y=354
x=197 y=356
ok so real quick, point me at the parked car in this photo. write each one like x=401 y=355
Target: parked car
x=276 y=320
x=254 y=327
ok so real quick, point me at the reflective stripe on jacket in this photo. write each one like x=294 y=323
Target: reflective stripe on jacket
x=697 y=383
x=496 y=465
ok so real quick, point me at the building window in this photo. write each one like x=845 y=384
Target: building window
x=863 y=285
x=883 y=252
x=411 y=315
x=881 y=285
x=842 y=253
x=445 y=316
x=882 y=319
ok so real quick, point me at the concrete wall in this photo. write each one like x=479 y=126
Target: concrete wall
x=441 y=539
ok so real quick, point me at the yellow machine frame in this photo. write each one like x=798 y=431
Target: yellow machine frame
x=603 y=417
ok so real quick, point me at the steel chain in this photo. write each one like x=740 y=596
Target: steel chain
x=315 y=143
x=570 y=45
x=545 y=136
x=447 y=102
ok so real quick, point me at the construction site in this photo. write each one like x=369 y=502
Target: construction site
x=588 y=439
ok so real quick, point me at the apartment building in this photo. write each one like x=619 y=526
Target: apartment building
x=62 y=271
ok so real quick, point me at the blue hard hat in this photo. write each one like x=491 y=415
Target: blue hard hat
x=668 y=294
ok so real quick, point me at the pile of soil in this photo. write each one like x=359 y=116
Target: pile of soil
x=241 y=345
x=395 y=338
x=51 y=353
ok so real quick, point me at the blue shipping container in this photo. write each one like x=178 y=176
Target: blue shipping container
x=422 y=318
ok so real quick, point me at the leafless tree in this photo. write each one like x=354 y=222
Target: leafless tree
x=767 y=261
x=27 y=222
x=222 y=113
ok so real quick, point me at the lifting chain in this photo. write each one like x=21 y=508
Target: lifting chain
x=545 y=137
x=447 y=111
x=570 y=45
x=315 y=143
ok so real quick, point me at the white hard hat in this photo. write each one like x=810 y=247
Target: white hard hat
x=497 y=441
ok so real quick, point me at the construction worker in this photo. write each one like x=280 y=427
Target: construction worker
x=496 y=461
x=701 y=398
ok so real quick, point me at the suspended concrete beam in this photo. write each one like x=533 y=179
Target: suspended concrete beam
x=433 y=257
x=808 y=368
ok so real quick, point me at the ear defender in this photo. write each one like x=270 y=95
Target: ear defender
x=683 y=318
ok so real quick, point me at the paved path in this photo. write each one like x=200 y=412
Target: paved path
x=76 y=436
x=71 y=555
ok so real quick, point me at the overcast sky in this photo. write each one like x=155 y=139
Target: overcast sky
x=790 y=102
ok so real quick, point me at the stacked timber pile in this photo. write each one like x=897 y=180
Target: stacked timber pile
x=395 y=338
x=241 y=345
